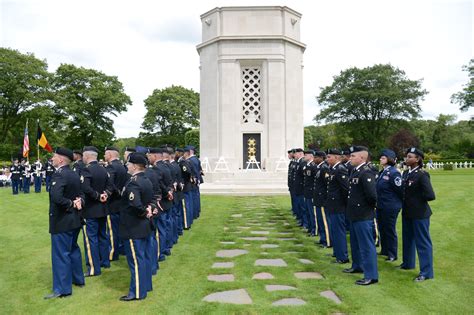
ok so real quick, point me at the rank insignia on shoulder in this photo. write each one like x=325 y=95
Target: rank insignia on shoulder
x=82 y=179
x=131 y=196
x=398 y=181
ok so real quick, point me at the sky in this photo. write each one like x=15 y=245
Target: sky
x=152 y=44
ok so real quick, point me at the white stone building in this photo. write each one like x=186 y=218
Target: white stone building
x=251 y=96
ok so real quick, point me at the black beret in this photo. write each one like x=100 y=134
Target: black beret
x=358 y=148
x=346 y=151
x=189 y=148
x=416 y=151
x=298 y=150
x=388 y=153
x=334 y=151
x=90 y=148
x=65 y=152
x=77 y=152
x=320 y=154
x=309 y=152
x=130 y=149
x=137 y=158
x=155 y=150
x=290 y=151
x=111 y=148
x=179 y=150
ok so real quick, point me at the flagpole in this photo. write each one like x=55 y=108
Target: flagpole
x=28 y=153
x=38 y=141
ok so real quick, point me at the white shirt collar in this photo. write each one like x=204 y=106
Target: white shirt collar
x=359 y=166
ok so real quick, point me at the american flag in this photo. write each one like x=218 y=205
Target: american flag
x=26 y=142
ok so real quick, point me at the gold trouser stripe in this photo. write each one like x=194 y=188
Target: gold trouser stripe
x=185 y=219
x=376 y=232
x=158 y=240
x=326 y=229
x=137 y=280
x=89 y=254
x=315 y=220
x=111 y=232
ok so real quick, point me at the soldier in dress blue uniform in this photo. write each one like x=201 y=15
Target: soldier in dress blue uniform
x=49 y=171
x=188 y=182
x=37 y=170
x=118 y=178
x=389 y=203
x=290 y=180
x=135 y=227
x=96 y=187
x=361 y=201
x=65 y=203
x=78 y=164
x=190 y=151
x=178 y=197
x=308 y=183
x=416 y=213
x=155 y=179
x=319 y=198
x=166 y=202
x=15 y=172
x=336 y=201
x=298 y=187
x=26 y=177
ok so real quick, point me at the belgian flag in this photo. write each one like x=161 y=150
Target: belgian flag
x=42 y=141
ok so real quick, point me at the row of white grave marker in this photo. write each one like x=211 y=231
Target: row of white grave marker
x=282 y=165
x=252 y=165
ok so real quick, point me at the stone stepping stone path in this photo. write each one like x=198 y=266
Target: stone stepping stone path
x=231 y=252
x=221 y=278
x=269 y=246
x=262 y=276
x=308 y=275
x=260 y=232
x=289 y=302
x=278 y=287
x=255 y=238
x=239 y=296
x=331 y=295
x=271 y=262
x=223 y=265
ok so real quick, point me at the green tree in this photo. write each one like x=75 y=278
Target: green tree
x=191 y=137
x=370 y=102
x=465 y=98
x=308 y=137
x=170 y=113
x=24 y=86
x=88 y=98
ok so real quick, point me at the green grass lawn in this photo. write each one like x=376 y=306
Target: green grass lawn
x=181 y=283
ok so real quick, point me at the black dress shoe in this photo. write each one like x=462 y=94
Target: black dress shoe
x=391 y=259
x=55 y=295
x=420 y=278
x=80 y=285
x=127 y=298
x=352 y=270
x=345 y=261
x=402 y=266
x=366 y=281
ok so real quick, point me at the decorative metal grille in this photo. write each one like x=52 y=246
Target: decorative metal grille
x=251 y=109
